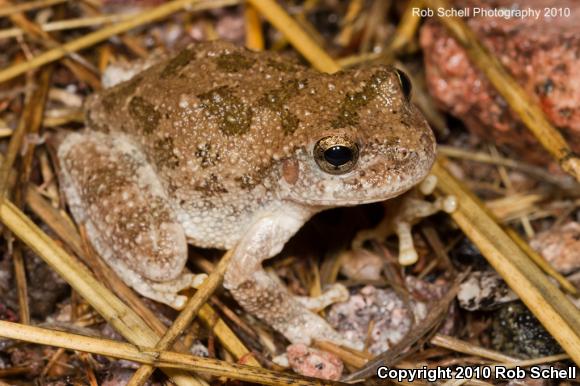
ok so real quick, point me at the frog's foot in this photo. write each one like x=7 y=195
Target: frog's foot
x=161 y=291
x=402 y=213
x=380 y=232
x=265 y=297
x=407 y=253
x=112 y=188
x=166 y=292
x=335 y=294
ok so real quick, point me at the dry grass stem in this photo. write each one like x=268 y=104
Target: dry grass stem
x=537 y=172
x=62 y=25
x=21 y=285
x=155 y=346
x=32 y=117
x=28 y=6
x=534 y=361
x=52 y=361
x=514 y=206
x=76 y=64
x=14 y=146
x=226 y=336
x=29 y=124
x=51 y=216
x=455 y=382
x=254 y=36
x=354 y=9
x=375 y=17
x=186 y=316
x=90 y=39
x=468 y=348
x=406 y=29
x=70 y=117
x=355 y=359
x=163 y=359
x=520 y=102
x=113 y=310
x=556 y=313
x=355 y=60
x=295 y=35
x=540 y=261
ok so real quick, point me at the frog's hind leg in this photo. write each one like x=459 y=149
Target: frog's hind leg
x=265 y=297
x=113 y=190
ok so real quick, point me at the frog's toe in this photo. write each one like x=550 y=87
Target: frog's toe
x=198 y=280
x=174 y=301
x=267 y=299
x=407 y=253
x=161 y=292
x=414 y=211
x=166 y=292
x=335 y=294
x=309 y=327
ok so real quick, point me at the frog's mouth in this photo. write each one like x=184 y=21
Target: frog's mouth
x=349 y=190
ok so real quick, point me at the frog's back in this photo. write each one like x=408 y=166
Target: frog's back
x=212 y=120
x=212 y=116
x=216 y=120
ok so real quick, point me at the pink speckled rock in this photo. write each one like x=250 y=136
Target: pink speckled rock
x=314 y=363
x=542 y=55
x=388 y=313
x=560 y=246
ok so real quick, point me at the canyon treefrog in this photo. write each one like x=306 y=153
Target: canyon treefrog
x=222 y=147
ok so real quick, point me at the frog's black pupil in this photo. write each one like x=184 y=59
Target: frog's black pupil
x=338 y=155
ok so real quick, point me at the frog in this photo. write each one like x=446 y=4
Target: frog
x=221 y=147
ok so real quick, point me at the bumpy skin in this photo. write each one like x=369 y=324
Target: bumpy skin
x=215 y=145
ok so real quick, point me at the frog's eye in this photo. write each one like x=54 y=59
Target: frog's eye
x=405 y=83
x=335 y=154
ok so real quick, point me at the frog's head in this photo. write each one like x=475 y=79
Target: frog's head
x=376 y=147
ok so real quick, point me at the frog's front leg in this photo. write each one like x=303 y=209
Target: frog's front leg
x=262 y=296
x=115 y=192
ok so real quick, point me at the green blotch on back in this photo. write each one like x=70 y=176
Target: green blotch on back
x=207 y=156
x=282 y=65
x=277 y=98
x=233 y=115
x=118 y=94
x=234 y=62
x=211 y=186
x=163 y=153
x=177 y=63
x=290 y=122
x=352 y=103
x=144 y=113
x=94 y=124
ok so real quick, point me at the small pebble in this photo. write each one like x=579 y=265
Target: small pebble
x=560 y=246
x=314 y=363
